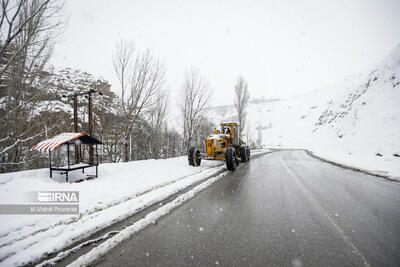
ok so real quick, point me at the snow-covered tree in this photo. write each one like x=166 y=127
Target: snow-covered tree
x=28 y=29
x=241 y=101
x=141 y=77
x=157 y=116
x=195 y=96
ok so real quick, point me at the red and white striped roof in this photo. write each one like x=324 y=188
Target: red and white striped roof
x=56 y=141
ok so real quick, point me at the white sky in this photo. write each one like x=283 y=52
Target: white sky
x=282 y=48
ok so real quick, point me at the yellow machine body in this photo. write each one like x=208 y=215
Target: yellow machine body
x=227 y=136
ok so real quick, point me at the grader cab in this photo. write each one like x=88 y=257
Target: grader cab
x=225 y=145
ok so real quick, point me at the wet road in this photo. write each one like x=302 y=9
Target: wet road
x=284 y=208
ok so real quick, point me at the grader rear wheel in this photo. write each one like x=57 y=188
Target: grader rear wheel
x=243 y=154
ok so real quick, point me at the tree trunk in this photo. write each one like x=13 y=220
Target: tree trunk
x=126 y=151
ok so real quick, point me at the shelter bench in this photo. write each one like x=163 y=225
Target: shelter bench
x=73 y=168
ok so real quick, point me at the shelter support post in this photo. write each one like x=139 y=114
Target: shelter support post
x=97 y=156
x=51 y=172
x=68 y=155
x=97 y=161
x=66 y=175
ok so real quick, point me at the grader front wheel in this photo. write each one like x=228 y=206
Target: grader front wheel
x=194 y=157
x=231 y=159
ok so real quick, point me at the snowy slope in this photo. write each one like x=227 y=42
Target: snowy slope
x=356 y=122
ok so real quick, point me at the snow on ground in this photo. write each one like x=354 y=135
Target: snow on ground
x=121 y=190
x=356 y=122
x=149 y=219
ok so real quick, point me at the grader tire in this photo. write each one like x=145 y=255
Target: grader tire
x=194 y=157
x=243 y=153
x=231 y=159
x=248 y=153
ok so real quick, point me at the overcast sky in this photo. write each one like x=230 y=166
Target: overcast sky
x=282 y=48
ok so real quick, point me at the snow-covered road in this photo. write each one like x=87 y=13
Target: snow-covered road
x=121 y=190
x=285 y=209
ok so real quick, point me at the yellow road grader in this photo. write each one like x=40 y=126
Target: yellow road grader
x=225 y=144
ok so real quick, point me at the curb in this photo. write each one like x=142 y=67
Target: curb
x=387 y=177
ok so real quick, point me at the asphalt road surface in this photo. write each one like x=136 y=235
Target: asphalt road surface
x=285 y=208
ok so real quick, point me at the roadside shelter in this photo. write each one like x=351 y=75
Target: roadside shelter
x=69 y=139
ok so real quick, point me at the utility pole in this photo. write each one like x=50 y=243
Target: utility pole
x=87 y=94
x=91 y=156
x=77 y=160
x=259 y=128
x=259 y=135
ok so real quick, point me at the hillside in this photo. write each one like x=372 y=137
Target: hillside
x=356 y=122
x=38 y=110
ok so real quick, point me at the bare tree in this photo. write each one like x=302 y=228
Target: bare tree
x=157 y=116
x=203 y=128
x=195 y=95
x=28 y=29
x=141 y=77
x=122 y=62
x=241 y=101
